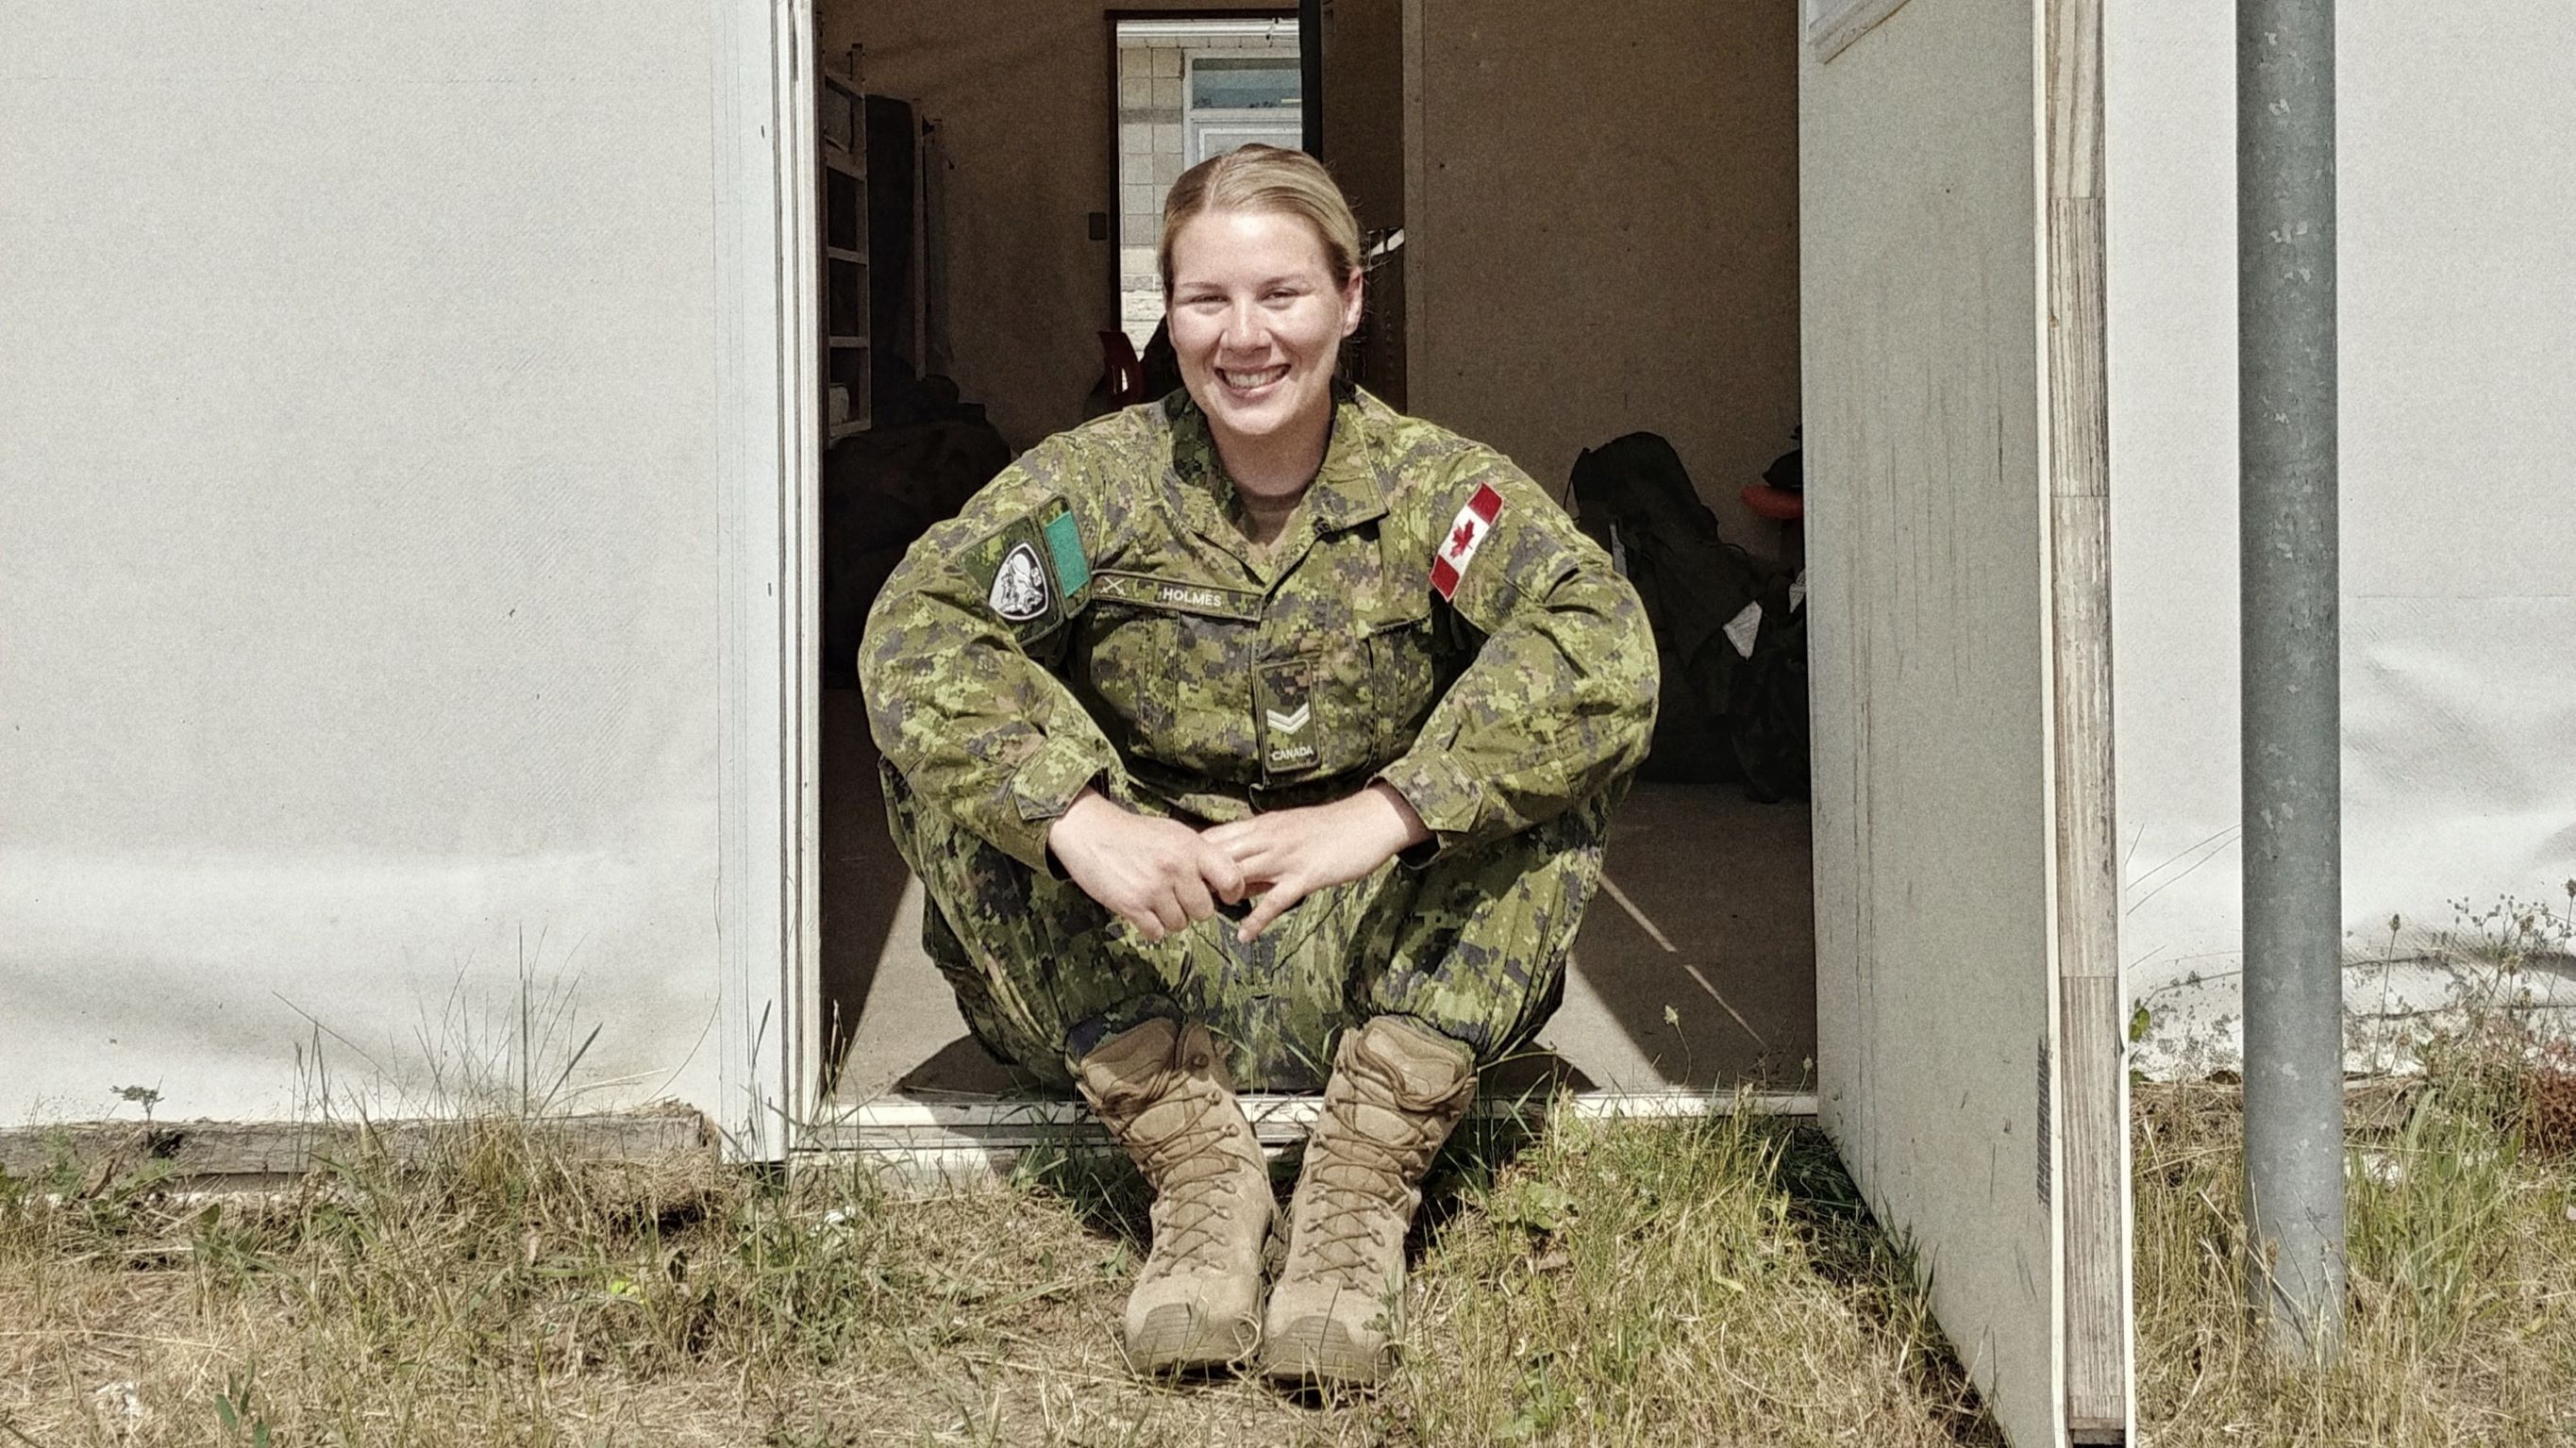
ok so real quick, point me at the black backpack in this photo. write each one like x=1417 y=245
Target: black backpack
x=1726 y=711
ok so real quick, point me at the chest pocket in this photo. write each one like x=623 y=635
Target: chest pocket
x=1174 y=662
x=1359 y=670
x=1318 y=706
x=1405 y=676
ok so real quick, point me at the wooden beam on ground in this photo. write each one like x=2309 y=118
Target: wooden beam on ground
x=199 y=1150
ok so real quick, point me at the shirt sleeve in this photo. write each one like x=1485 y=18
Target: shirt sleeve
x=1559 y=699
x=959 y=698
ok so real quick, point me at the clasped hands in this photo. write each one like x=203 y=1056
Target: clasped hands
x=1159 y=875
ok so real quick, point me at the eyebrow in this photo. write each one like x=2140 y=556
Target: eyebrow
x=1287 y=279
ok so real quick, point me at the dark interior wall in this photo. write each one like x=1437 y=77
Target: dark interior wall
x=1605 y=233
x=1020 y=91
x=1364 y=114
x=1364 y=106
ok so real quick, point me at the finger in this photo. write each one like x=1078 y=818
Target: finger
x=1169 y=909
x=1221 y=873
x=1243 y=844
x=1143 y=923
x=1195 y=901
x=1273 y=905
x=1255 y=853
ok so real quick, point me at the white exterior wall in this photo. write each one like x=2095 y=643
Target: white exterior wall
x=2458 y=306
x=358 y=551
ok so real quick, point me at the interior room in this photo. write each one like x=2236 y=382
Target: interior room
x=1583 y=225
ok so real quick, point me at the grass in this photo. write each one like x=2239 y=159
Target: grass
x=1711 y=1281
x=2460 y=1321
x=1706 y=1281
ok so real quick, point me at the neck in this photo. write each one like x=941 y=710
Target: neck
x=1271 y=473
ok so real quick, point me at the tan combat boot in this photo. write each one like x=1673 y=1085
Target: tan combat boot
x=1160 y=1088
x=1396 y=1091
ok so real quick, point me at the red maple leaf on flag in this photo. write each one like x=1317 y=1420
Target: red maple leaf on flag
x=1465 y=535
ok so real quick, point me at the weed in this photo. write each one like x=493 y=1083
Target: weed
x=235 y=1410
x=2458 y=1204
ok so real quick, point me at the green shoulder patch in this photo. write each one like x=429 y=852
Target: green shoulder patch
x=1064 y=540
x=1032 y=570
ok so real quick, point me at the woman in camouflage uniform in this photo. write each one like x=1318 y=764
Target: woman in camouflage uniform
x=1252 y=730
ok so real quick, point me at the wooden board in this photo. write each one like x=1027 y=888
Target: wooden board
x=202 y=1152
x=2092 y=1096
x=1602 y=234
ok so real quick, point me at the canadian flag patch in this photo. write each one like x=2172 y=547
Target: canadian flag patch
x=1466 y=534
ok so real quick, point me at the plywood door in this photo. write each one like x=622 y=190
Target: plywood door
x=1967 y=992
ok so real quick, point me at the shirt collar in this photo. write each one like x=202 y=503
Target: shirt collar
x=1346 y=492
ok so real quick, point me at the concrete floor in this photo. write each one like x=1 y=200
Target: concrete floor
x=1706 y=915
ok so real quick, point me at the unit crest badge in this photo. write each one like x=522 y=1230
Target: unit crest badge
x=1019 y=591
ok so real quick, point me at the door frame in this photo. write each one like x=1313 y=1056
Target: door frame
x=2080 y=1113
x=768 y=471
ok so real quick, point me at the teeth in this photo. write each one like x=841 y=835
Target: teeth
x=1246 y=381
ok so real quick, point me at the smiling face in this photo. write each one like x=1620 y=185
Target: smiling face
x=1257 y=321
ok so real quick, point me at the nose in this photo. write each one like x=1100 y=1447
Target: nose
x=1246 y=330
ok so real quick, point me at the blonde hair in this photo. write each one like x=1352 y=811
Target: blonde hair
x=1264 y=178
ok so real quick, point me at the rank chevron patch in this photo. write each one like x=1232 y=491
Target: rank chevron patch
x=1292 y=721
x=1466 y=535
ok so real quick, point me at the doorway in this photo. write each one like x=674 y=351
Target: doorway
x=1190 y=87
x=1606 y=244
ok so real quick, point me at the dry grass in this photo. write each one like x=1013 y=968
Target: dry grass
x=1700 y=1282
x=1687 y=1282
x=2461 y=1311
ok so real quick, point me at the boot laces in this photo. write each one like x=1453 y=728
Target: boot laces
x=1364 y=1197
x=1195 y=1168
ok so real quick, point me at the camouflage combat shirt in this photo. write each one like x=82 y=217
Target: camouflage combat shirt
x=1096 y=615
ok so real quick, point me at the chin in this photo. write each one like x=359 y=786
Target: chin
x=1252 y=421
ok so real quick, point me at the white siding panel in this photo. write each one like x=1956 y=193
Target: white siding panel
x=2458 y=494
x=357 y=568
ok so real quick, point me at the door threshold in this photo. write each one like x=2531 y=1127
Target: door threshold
x=960 y=1140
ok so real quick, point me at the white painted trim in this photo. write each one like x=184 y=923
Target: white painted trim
x=979 y=1138
x=767 y=461
x=1835 y=24
x=800 y=981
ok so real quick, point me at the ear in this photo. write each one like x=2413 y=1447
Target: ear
x=1352 y=298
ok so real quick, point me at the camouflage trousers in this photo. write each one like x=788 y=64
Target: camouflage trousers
x=1473 y=945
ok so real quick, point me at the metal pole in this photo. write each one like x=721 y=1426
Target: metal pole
x=2293 y=795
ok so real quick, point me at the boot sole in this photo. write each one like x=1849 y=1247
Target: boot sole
x=1173 y=1339
x=1319 y=1350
